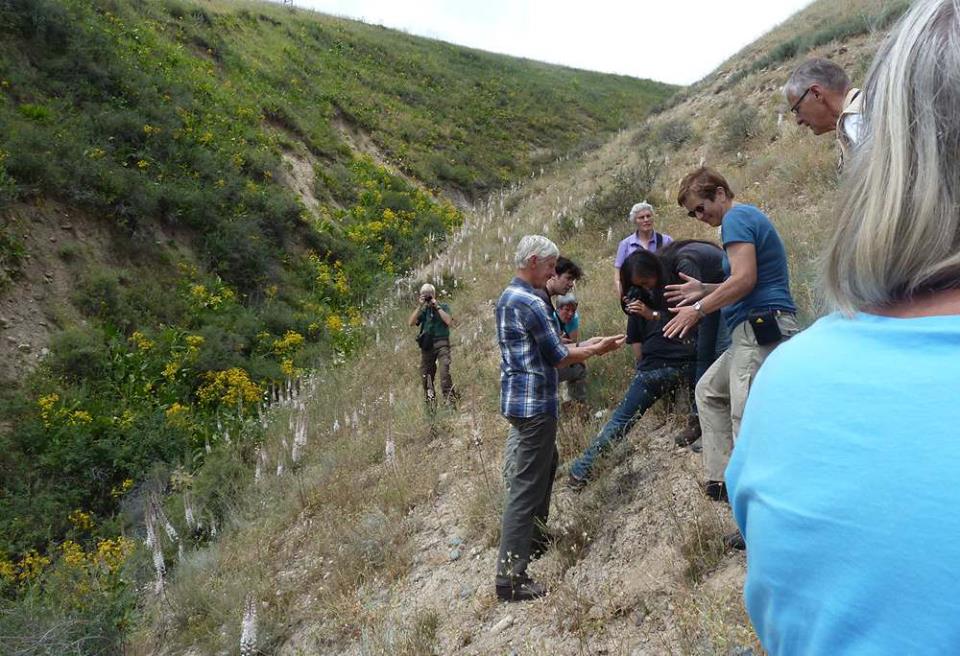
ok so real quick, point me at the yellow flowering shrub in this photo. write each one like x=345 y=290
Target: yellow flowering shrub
x=141 y=341
x=178 y=415
x=31 y=566
x=194 y=341
x=230 y=387
x=47 y=405
x=82 y=521
x=111 y=554
x=8 y=571
x=334 y=323
x=291 y=341
x=118 y=491
x=78 y=417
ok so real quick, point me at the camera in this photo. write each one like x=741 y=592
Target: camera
x=428 y=299
x=639 y=294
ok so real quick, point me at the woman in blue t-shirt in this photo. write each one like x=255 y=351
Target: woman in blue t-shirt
x=844 y=479
x=754 y=300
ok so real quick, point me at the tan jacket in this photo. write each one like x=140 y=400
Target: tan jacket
x=849 y=125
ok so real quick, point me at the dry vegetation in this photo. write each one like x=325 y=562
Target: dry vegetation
x=350 y=552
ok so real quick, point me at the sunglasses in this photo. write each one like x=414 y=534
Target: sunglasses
x=696 y=210
x=796 y=105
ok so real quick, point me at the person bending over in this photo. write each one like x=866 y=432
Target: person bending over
x=664 y=363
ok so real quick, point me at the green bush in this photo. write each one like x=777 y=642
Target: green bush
x=737 y=125
x=675 y=133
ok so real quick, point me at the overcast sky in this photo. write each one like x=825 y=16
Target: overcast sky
x=678 y=41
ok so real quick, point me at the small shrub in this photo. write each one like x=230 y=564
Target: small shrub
x=737 y=126
x=675 y=133
x=79 y=353
x=613 y=201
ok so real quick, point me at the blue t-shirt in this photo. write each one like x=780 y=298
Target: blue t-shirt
x=845 y=482
x=745 y=223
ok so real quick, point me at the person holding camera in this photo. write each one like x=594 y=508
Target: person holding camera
x=755 y=303
x=664 y=363
x=434 y=320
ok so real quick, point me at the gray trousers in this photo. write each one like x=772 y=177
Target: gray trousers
x=722 y=392
x=530 y=465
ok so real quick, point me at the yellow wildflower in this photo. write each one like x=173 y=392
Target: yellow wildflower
x=31 y=566
x=194 y=341
x=143 y=164
x=119 y=490
x=286 y=366
x=290 y=341
x=177 y=414
x=73 y=554
x=112 y=553
x=171 y=369
x=79 y=417
x=141 y=341
x=8 y=571
x=81 y=520
x=334 y=323
x=231 y=387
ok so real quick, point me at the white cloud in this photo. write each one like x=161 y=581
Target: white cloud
x=677 y=41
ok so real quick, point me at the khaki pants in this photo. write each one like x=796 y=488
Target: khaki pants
x=723 y=388
x=440 y=353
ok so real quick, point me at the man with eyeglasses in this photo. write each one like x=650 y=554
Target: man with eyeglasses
x=821 y=97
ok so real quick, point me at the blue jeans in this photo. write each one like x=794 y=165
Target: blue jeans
x=647 y=386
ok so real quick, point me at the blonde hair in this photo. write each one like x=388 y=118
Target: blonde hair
x=898 y=232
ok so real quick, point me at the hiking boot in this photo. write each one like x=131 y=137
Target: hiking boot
x=576 y=484
x=522 y=589
x=716 y=490
x=690 y=434
x=697 y=447
x=734 y=541
x=538 y=547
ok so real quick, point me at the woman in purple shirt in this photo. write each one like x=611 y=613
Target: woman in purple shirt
x=644 y=237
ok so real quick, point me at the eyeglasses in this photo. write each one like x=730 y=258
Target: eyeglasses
x=696 y=210
x=796 y=105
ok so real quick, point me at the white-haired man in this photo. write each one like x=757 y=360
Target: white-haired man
x=822 y=98
x=434 y=319
x=530 y=351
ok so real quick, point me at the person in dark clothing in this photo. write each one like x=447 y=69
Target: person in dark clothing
x=701 y=260
x=663 y=366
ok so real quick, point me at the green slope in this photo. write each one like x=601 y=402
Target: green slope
x=174 y=117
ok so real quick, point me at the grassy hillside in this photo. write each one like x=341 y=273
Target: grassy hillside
x=199 y=201
x=354 y=552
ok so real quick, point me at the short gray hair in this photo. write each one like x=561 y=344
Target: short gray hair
x=427 y=288
x=898 y=233
x=816 y=71
x=534 y=245
x=567 y=299
x=639 y=207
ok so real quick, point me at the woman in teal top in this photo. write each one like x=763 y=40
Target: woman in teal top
x=754 y=300
x=845 y=480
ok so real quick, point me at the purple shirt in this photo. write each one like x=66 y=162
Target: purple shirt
x=631 y=244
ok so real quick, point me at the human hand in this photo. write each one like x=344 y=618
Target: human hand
x=591 y=341
x=689 y=291
x=681 y=324
x=607 y=344
x=641 y=309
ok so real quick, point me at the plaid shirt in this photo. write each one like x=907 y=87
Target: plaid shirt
x=530 y=349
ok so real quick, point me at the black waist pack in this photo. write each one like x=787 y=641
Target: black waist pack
x=765 y=327
x=425 y=340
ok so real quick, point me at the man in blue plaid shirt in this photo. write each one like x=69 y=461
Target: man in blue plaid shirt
x=531 y=351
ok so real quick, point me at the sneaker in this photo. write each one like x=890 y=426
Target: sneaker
x=734 y=541
x=716 y=490
x=576 y=484
x=523 y=589
x=697 y=447
x=690 y=434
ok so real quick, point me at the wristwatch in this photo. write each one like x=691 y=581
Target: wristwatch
x=698 y=306
x=656 y=315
